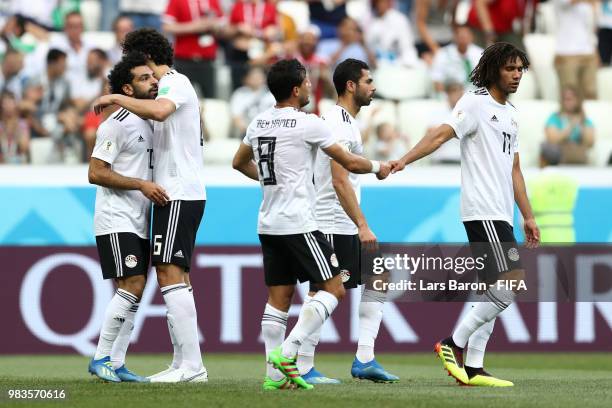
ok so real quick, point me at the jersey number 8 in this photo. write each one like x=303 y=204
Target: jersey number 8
x=265 y=149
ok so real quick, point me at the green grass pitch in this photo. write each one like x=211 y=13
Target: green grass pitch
x=542 y=380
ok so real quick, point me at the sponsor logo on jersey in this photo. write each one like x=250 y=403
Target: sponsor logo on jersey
x=108 y=145
x=179 y=254
x=334 y=260
x=140 y=138
x=494 y=119
x=345 y=275
x=513 y=254
x=131 y=261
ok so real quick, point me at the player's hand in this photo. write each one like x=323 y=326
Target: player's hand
x=155 y=193
x=532 y=233
x=367 y=238
x=385 y=170
x=397 y=165
x=101 y=103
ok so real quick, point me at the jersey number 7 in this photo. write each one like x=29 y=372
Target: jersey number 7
x=265 y=150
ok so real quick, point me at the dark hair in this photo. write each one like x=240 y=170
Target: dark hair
x=55 y=55
x=348 y=70
x=486 y=73
x=121 y=73
x=151 y=43
x=100 y=53
x=284 y=76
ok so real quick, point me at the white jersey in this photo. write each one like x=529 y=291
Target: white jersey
x=285 y=142
x=488 y=133
x=331 y=217
x=125 y=142
x=178 y=141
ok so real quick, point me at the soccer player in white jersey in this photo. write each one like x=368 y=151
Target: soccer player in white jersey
x=178 y=168
x=121 y=166
x=341 y=220
x=491 y=181
x=279 y=151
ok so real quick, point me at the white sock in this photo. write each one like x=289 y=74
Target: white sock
x=315 y=312
x=273 y=327
x=122 y=342
x=177 y=355
x=116 y=313
x=306 y=352
x=370 y=316
x=483 y=312
x=184 y=325
x=477 y=345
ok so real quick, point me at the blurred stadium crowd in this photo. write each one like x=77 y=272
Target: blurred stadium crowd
x=56 y=55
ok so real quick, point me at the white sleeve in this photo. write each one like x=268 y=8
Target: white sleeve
x=247 y=137
x=463 y=120
x=516 y=143
x=318 y=133
x=175 y=90
x=109 y=141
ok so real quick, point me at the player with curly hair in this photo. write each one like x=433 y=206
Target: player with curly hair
x=486 y=124
x=121 y=167
x=178 y=168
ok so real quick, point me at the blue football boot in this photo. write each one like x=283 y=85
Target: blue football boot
x=127 y=376
x=372 y=371
x=103 y=369
x=314 y=377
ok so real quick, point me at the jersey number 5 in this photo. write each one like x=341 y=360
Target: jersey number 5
x=507 y=141
x=265 y=148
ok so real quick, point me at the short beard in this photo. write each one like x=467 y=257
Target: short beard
x=362 y=101
x=144 y=95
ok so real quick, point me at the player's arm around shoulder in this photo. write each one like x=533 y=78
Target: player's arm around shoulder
x=155 y=109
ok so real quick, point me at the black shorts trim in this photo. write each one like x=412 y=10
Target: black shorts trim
x=495 y=241
x=123 y=254
x=303 y=257
x=175 y=226
x=348 y=250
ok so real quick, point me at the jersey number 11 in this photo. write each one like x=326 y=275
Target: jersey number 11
x=507 y=141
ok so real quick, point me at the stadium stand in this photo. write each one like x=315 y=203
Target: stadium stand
x=406 y=95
